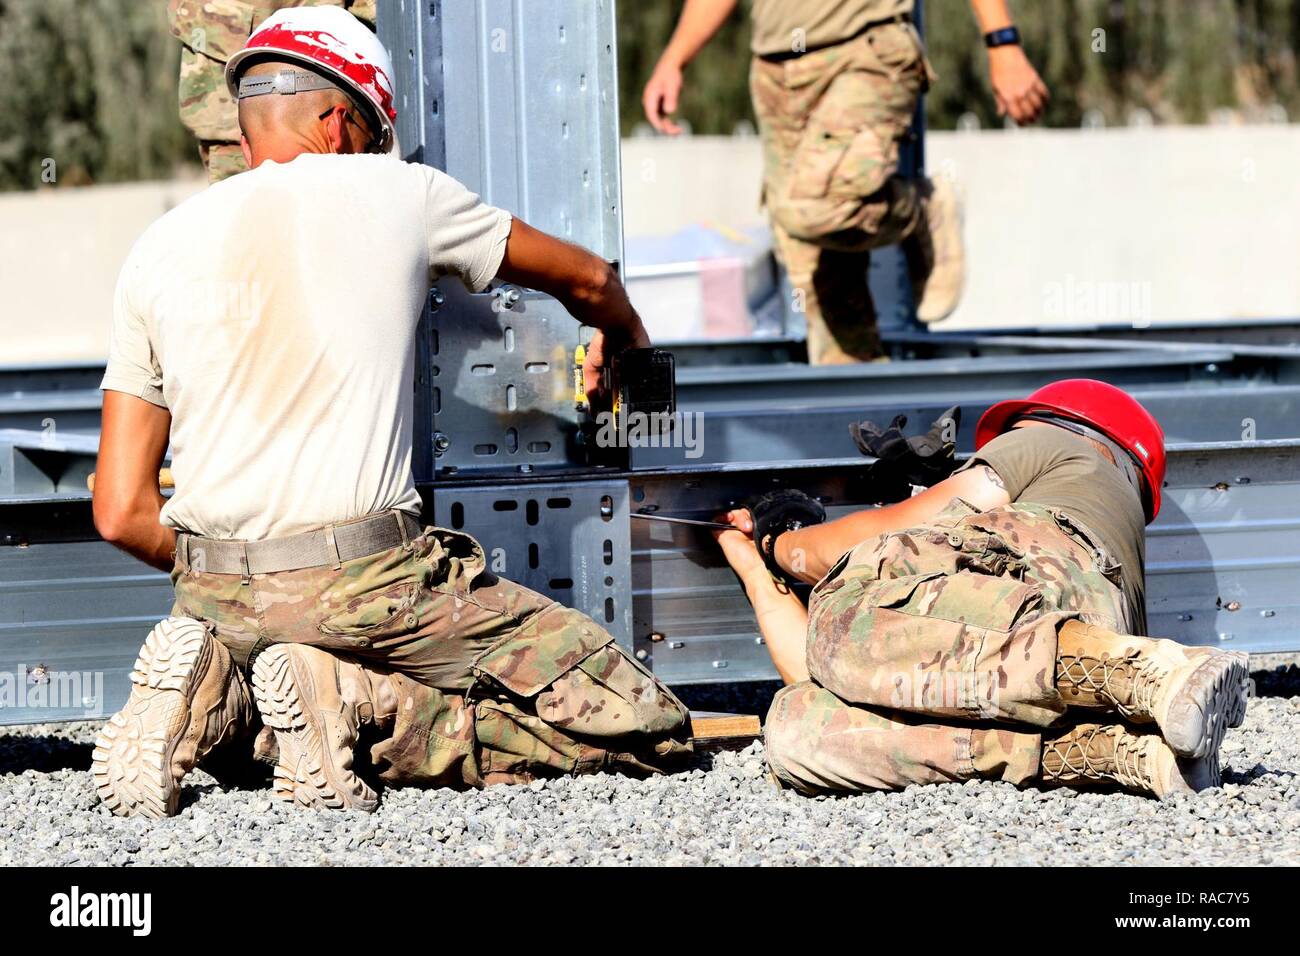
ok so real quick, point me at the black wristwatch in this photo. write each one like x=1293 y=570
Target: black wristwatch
x=1007 y=36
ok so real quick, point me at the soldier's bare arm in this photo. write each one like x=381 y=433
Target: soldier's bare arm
x=700 y=20
x=584 y=283
x=782 y=618
x=810 y=552
x=127 y=501
x=1019 y=91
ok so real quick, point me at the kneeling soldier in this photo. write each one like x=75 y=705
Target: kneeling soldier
x=988 y=627
x=266 y=329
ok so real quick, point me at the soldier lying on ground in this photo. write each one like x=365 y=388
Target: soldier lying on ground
x=266 y=328
x=988 y=627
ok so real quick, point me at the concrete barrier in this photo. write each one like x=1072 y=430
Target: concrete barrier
x=1063 y=228
x=60 y=252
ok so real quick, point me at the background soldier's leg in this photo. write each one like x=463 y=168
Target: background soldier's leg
x=842 y=189
x=222 y=160
x=830 y=289
x=817 y=743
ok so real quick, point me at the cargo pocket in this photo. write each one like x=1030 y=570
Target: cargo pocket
x=896 y=49
x=611 y=695
x=530 y=658
x=213 y=28
x=937 y=644
x=374 y=617
x=556 y=697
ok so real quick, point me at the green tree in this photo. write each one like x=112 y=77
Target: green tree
x=91 y=86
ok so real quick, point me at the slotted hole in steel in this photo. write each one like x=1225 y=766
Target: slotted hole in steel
x=537 y=367
x=561 y=583
x=606 y=508
x=457 y=515
x=512 y=399
x=609 y=610
x=510 y=339
x=609 y=551
x=539 y=447
x=485 y=450
x=534 y=557
x=437 y=400
x=531 y=511
x=484 y=369
x=512 y=440
x=505 y=504
x=558 y=502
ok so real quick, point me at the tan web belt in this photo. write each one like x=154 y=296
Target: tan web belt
x=326 y=547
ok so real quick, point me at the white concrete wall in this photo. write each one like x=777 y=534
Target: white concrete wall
x=1168 y=224
x=60 y=252
x=1062 y=227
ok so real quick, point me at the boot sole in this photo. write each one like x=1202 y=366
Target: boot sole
x=1212 y=700
x=304 y=775
x=131 y=763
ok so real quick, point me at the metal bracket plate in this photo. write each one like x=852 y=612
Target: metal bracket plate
x=567 y=540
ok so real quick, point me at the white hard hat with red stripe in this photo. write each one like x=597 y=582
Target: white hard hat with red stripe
x=332 y=42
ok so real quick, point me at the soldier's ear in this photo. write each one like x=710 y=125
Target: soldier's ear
x=336 y=132
x=246 y=149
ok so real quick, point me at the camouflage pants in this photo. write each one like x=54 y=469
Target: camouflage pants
x=831 y=122
x=933 y=651
x=496 y=682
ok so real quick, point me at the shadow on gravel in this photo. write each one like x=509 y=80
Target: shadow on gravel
x=42 y=754
x=1278 y=682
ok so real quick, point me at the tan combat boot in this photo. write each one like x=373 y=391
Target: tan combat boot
x=317 y=703
x=187 y=698
x=1193 y=694
x=1091 y=754
x=936 y=253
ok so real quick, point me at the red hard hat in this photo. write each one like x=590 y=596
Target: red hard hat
x=1110 y=410
x=334 y=42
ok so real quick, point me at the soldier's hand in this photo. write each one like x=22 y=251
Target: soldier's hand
x=600 y=352
x=738 y=544
x=660 y=97
x=1017 y=88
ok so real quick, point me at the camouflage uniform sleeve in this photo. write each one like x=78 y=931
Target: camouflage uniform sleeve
x=209 y=31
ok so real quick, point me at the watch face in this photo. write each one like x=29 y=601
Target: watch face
x=1003 y=37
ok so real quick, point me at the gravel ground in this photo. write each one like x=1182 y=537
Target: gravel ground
x=722 y=812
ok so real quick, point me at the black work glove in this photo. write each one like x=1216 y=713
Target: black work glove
x=902 y=462
x=776 y=513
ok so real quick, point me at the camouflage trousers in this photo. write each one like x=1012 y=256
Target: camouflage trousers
x=932 y=651
x=832 y=121
x=496 y=683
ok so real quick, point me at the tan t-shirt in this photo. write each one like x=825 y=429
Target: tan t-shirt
x=274 y=314
x=787 y=26
x=1050 y=466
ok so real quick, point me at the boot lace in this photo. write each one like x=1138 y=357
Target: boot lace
x=1101 y=675
x=1075 y=754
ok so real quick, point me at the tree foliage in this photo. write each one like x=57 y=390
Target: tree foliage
x=91 y=84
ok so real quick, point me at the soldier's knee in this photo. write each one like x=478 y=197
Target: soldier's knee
x=790 y=737
x=820 y=220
